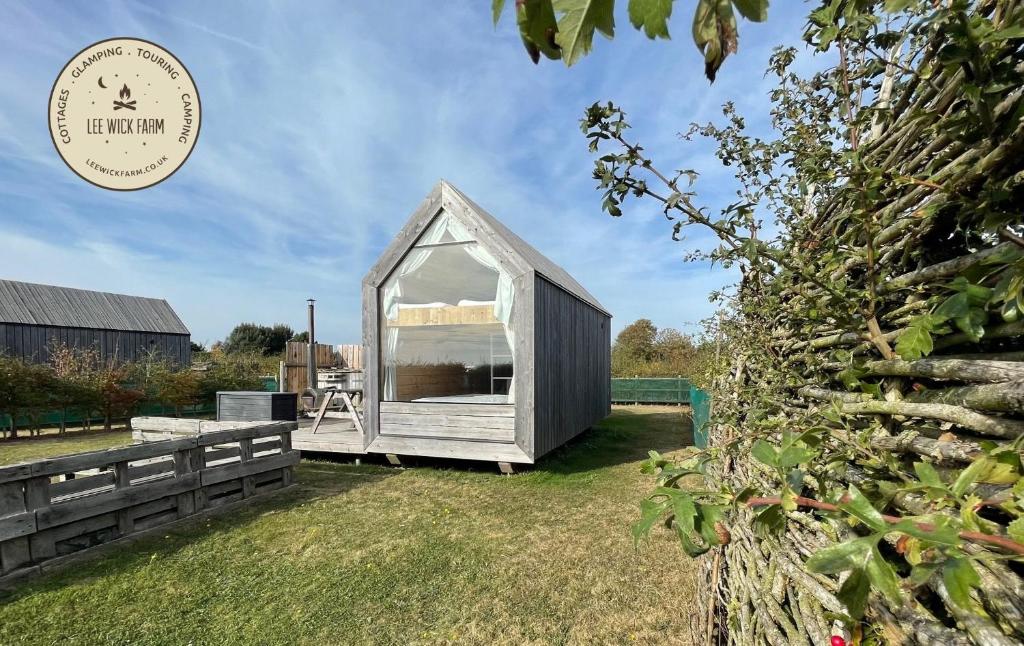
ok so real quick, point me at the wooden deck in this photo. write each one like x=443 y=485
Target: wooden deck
x=334 y=436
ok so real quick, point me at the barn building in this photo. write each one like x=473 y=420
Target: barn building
x=34 y=318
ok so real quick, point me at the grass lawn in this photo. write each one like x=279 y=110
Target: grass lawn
x=47 y=446
x=438 y=553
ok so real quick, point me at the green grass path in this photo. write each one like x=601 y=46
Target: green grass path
x=437 y=553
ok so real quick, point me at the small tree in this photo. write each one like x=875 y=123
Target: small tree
x=109 y=388
x=39 y=386
x=14 y=384
x=231 y=372
x=174 y=388
x=635 y=343
x=71 y=370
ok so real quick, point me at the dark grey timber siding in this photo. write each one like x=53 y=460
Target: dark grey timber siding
x=32 y=343
x=572 y=366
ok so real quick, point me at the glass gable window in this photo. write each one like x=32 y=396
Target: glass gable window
x=446 y=322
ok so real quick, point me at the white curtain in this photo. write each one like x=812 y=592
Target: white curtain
x=393 y=293
x=414 y=260
x=502 y=298
x=391 y=364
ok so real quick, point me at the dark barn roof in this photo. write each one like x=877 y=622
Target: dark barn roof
x=32 y=304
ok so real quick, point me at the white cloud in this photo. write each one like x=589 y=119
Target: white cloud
x=323 y=128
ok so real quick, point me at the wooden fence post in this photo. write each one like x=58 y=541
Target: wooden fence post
x=287 y=473
x=197 y=457
x=14 y=552
x=245 y=455
x=125 y=520
x=37 y=496
x=183 y=466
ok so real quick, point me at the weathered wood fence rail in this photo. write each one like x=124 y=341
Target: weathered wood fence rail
x=50 y=509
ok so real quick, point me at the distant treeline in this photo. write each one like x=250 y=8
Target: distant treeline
x=642 y=350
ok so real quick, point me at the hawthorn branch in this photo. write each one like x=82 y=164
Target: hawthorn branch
x=972 y=537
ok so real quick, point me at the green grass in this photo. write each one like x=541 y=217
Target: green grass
x=48 y=446
x=437 y=553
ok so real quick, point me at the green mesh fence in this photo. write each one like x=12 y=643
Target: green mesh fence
x=646 y=390
x=700 y=410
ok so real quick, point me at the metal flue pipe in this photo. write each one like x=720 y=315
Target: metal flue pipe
x=311 y=360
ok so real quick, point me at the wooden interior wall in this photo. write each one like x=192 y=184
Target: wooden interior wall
x=572 y=366
x=415 y=382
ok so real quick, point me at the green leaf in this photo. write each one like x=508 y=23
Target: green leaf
x=764 y=453
x=705 y=27
x=770 y=520
x=707 y=517
x=927 y=474
x=883 y=577
x=955 y=306
x=854 y=593
x=942 y=534
x=651 y=16
x=861 y=508
x=914 y=343
x=1016 y=530
x=685 y=511
x=580 y=18
x=794 y=455
x=537 y=27
x=970 y=475
x=920 y=574
x=844 y=556
x=691 y=548
x=973 y=323
x=497 y=6
x=895 y=6
x=788 y=498
x=795 y=480
x=753 y=10
x=850 y=376
x=960 y=578
x=650 y=512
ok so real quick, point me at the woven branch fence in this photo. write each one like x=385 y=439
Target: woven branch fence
x=933 y=374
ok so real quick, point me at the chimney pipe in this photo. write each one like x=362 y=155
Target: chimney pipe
x=311 y=359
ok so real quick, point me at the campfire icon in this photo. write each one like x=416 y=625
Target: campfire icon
x=124 y=94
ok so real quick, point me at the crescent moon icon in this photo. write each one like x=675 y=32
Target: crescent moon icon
x=101 y=83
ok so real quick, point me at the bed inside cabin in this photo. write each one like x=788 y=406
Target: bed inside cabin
x=446 y=330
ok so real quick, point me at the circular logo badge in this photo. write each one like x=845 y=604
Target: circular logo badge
x=124 y=114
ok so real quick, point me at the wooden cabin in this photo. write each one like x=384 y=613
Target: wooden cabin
x=476 y=345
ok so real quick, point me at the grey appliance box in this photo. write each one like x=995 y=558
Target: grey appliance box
x=256 y=406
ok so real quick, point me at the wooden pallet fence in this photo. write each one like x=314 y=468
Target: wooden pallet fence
x=54 y=508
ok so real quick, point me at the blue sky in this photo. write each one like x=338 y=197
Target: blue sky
x=324 y=126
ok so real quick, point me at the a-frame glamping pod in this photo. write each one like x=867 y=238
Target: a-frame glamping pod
x=477 y=346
